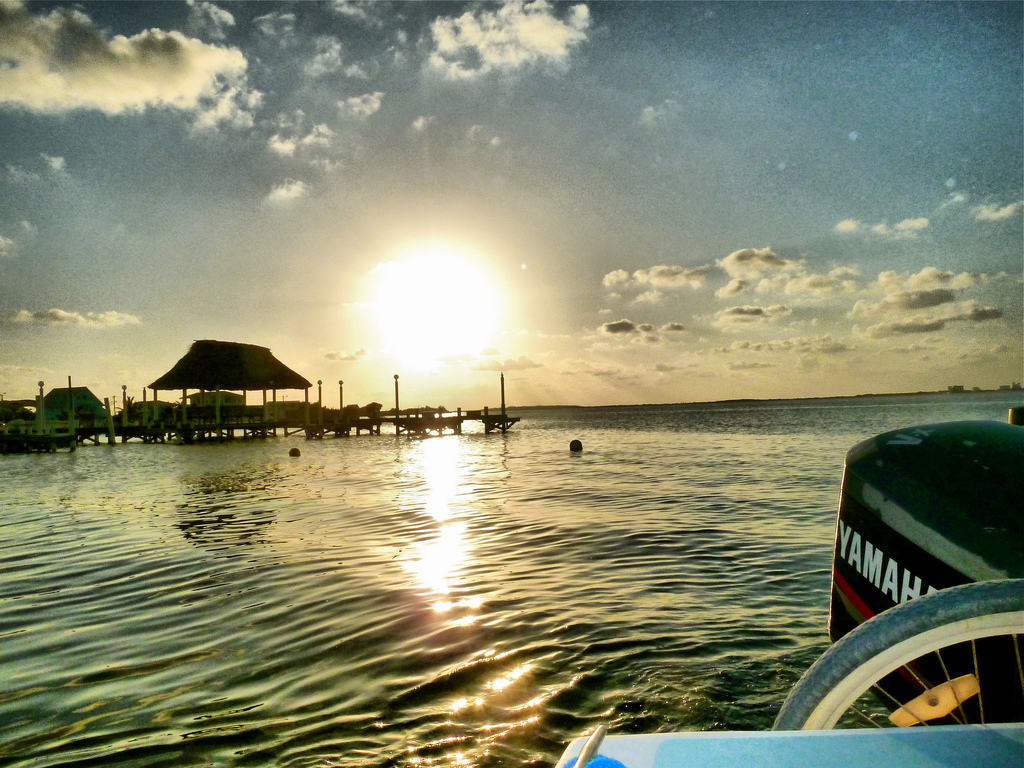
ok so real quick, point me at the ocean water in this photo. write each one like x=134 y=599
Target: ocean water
x=473 y=600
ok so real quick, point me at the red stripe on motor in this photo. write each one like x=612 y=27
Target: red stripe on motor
x=852 y=596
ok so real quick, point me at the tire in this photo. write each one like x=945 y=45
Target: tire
x=897 y=637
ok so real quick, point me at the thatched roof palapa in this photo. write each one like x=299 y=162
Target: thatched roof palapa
x=215 y=365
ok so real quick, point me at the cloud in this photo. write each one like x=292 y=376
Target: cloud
x=516 y=35
x=286 y=191
x=836 y=281
x=208 y=19
x=620 y=326
x=61 y=61
x=362 y=107
x=905 y=229
x=750 y=366
x=280 y=26
x=327 y=58
x=661 y=276
x=617 y=277
x=649 y=297
x=672 y=328
x=520 y=363
x=968 y=311
x=62 y=317
x=928 y=278
x=746 y=315
x=421 y=123
x=995 y=212
x=6 y=247
x=735 y=286
x=346 y=357
x=652 y=117
x=286 y=146
x=817 y=345
x=672 y=276
x=753 y=262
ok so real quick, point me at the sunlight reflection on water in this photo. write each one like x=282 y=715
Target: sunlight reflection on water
x=474 y=600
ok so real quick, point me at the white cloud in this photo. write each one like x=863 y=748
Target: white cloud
x=327 y=58
x=617 y=277
x=649 y=297
x=6 y=247
x=515 y=35
x=816 y=345
x=753 y=262
x=280 y=26
x=905 y=229
x=968 y=311
x=652 y=117
x=421 y=123
x=747 y=315
x=233 y=107
x=207 y=18
x=929 y=277
x=521 y=363
x=286 y=191
x=672 y=276
x=995 y=212
x=61 y=61
x=836 y=281
x=734 y=286
x=363 y=106
x=346 y=357
x=56 y=164
x=912 y=225
x=286 y=146
x=109 y=319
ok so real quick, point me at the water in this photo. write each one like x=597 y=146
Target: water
x=475 y=600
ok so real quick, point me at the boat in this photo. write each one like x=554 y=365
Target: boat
x=926 y=615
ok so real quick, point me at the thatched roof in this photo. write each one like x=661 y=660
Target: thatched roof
x=228 y=365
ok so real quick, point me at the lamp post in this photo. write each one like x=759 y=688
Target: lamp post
x=341 y=395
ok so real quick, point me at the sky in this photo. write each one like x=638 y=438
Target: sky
x=608 y=202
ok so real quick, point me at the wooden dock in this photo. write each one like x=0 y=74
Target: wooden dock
x=188 y=422
x=248 y=422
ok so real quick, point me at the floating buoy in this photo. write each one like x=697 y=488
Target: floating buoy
x=294 y=452
x=575 y=445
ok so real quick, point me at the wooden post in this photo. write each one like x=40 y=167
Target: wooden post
x=145 y=409
x=319 y=402
x=40 y=410
x=503 y=395
x=124 y=408
x=341 y=395
x=71 y=412
x=111 y=437
x=397 y=430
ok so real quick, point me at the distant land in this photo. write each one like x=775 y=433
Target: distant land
x=741 y=400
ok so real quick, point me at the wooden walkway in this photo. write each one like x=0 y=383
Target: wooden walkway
x=248 y=423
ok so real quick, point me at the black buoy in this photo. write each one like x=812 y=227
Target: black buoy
x=294 y=452
x=575 y=445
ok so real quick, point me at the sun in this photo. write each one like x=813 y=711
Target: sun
x=432 y=303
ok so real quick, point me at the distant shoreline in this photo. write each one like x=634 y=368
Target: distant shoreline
x=741 y=400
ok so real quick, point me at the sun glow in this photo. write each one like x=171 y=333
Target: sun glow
x=432 y=304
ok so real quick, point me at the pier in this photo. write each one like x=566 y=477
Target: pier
x=66 y=418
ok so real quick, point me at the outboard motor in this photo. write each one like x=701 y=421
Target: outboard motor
x=923 y=509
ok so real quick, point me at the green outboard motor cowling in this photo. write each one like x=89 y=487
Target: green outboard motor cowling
x=923 y=509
